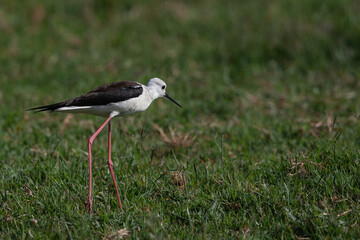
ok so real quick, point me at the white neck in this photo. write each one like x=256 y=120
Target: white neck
x=153 y=93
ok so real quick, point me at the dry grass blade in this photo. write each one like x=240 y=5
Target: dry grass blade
x=66 y=123
x=344 y=213
x=120 y=234
x=301 y=238
x=326 y=128
x=178 y=179
x=36 y=149
x=245 y=231
x=38 y=16
x=27 y=190
x=175 y=139
x=300 y=163
x=4 y=24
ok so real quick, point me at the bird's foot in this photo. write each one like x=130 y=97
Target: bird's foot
x=89 y=206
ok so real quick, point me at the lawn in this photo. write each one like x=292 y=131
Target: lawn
x=267 y=144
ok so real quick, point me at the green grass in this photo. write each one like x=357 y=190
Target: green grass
x=266 y=146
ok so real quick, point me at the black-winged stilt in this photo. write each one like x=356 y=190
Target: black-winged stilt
x=111 y=100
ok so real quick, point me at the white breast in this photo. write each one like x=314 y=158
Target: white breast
x=131 y=106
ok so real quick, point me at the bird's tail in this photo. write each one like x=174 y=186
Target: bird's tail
x=51 y=107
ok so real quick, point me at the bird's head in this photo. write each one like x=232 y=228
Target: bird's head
x=158 y=89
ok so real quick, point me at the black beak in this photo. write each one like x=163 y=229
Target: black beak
x=167 y=96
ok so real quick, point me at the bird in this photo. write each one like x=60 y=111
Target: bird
x=110 y=100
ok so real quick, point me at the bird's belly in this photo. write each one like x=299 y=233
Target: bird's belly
x=123 y=108
x=100 y=110
x=131 y=106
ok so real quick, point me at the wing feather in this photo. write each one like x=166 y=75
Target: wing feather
x=103 y=95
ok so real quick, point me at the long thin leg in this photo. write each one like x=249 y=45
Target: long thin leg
x=111 y=165
x=89 y=205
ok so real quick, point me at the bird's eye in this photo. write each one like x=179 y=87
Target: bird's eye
x=163 y=87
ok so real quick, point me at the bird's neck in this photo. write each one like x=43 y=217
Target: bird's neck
x=153 y=93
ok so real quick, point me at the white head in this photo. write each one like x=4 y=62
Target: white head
x=157 y=88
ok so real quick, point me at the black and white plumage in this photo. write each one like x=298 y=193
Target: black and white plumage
x=118 y=98
x=110 y=100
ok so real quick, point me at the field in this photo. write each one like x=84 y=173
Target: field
x=267 y=144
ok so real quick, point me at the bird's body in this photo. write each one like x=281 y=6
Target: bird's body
x=111 y=100
x=118 y=99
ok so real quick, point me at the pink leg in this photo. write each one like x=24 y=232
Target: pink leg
x=111 y=165
x=89 y=205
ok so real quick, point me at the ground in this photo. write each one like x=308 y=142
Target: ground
x=266 y=145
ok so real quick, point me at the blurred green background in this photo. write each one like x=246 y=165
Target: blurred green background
x=266 y=146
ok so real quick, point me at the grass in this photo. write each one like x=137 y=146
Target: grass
x=266 y=146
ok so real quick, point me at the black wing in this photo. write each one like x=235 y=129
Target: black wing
x=109 y=93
